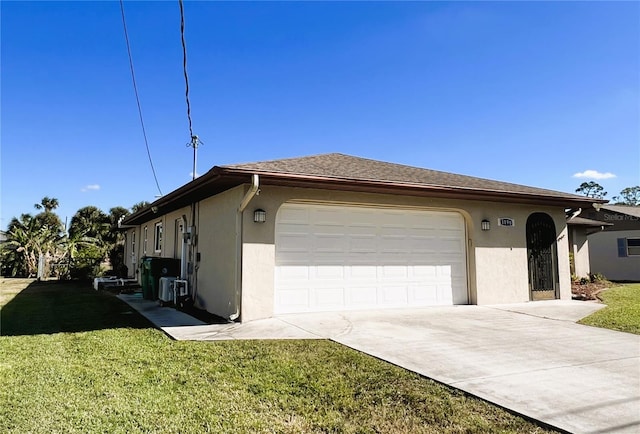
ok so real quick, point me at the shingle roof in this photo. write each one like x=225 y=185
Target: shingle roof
x=623 y=209
x=581 y=221
x=346 y=167
x=348 y=173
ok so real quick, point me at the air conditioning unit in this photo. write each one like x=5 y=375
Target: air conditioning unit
x=181 y=292
x=165 y=294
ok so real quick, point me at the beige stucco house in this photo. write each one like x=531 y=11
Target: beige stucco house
x=337 y=232
x=580 y=229
x=614 y=251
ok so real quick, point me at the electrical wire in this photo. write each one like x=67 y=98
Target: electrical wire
x=195 y=141
x=184 y=69
x=135 y=90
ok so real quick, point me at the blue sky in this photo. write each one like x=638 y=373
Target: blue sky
x=529 y=93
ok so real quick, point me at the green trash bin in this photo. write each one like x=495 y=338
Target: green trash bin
x=153 y=268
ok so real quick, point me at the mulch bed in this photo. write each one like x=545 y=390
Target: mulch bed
x=589 y=290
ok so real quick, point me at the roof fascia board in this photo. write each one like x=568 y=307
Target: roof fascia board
x=310 y=181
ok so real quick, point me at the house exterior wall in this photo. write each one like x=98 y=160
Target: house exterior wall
x=233 y=257
x=579 y=246
x=217 y=270
x=603 y=255
x=497 y=259
x=133 y=256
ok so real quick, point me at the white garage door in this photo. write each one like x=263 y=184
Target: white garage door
x=348 y=257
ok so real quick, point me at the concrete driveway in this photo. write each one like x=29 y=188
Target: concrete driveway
x=531 y=358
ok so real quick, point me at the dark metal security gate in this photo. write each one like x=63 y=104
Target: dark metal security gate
x=543 y=257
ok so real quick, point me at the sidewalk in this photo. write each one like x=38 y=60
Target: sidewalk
x=182 y=327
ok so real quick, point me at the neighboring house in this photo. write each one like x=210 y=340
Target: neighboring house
x=336 y=232
x=615 y=251
x=579 y=230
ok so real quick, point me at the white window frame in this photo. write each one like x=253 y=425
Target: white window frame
x=133 y=243
x=157 y=237
x=144 y=243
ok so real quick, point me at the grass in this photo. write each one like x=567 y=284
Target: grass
x=75 y=360
x=622 y=312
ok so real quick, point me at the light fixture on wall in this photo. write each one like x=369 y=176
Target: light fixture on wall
x=259 y=216
x=485 y=225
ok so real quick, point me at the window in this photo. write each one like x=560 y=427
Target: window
x=633 y=246
x=628 y=247
x=158 y=237
x=133 y=243
x=144 y=242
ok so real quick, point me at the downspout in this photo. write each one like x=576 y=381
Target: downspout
x=184 y=248
x=254 y=189
x=575 y=213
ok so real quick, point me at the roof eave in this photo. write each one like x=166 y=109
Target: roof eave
x=226 y=178
x=372 y=186
x=189 y=193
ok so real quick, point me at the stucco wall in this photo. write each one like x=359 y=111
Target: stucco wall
x=131 y=257
x=580 y=249
x=172 y=245
x=603 y=255
x=216 y=243
x=497 y=259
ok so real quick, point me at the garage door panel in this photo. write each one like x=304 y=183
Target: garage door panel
x=292 y=273
x=393 y=295
x=425 y=294
x=329 y=243
x=362 y=296
x=360 y=272
x=330 y=272
x=367 y=258
x=425 y=271
x=394 y=272
x=328 y=296
x=293 y=299
x=362 y=243
x=293 y=214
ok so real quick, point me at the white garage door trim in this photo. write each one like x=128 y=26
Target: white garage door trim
x=331 y=257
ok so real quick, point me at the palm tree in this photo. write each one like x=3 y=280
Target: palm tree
x=48 y=204
x=89 y=221
x=87 y=241
x=140 y=205
x=28 y=239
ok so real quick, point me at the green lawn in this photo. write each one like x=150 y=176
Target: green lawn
x=622 y=312
x=75 y=360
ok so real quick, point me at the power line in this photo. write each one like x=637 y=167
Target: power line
x=135 y=90
x=195 y=141
x=184 y=67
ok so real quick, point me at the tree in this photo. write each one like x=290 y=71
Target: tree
x=591 y=189
x=115 y=215
x=116 y=239
x=89 y=221
x=629 y=196
x=87 y=242
x=48 y=204
x=27 y=239
x=140 y=205
x=93 y=236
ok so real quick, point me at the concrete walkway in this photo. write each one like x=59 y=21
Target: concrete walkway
x=531 y=357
